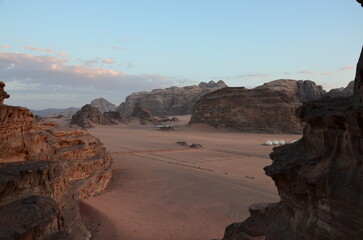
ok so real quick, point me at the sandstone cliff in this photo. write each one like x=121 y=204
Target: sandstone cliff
x=319 y=178
x=103 y=105
x=44 y=170
x=267 y=108
x=169 y=101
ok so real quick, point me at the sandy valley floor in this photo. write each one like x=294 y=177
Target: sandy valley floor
x=162 y=190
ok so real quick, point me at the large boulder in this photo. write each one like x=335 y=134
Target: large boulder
x=44 y=171
x=267 y=108
x=169 y=101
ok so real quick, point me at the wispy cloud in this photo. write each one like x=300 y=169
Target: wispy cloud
x=63 y=54
x=306 y=72
x=327 y=73
x=118 y=48
x=346 y=67
x=129 y=65
x=5 y=46
x=39 y=49
x=108 y=61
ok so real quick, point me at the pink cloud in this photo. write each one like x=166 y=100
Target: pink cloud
x=108 y=61
x=346 y=67
x=5 y=46
x=327 y=73
x=50 y=70
x=63 y=54
x=39 y=49
x=306 y=72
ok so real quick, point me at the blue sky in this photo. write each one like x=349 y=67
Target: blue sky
x=66 y=53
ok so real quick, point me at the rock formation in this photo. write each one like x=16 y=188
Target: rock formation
x=319 y=178
x=90 y=115
x=44 y=170
x=143 y=115
x=103 y=105
x=341 y=92
x=267 y=108
x=169 y=101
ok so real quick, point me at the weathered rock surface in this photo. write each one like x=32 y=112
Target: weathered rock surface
x=103 y=105
x=319 y=178
x=88 y=116
x=44 y=170
x=341 y=92
x=169 y=101
x=267 y=108
x=143 y=115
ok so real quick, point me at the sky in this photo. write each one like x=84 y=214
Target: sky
x=58 y=54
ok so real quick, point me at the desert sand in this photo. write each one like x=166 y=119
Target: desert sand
x=162 y=190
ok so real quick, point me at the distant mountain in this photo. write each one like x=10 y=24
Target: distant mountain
x=54 y=112
x=341 y=92
x=169 y=101
x=103 y=105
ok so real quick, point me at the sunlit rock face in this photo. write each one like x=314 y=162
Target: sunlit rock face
x=319 y=178
x=44 y=170
x=169 y=101
x=267 y=108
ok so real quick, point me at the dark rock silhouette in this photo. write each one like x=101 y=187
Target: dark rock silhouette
x=319 y=177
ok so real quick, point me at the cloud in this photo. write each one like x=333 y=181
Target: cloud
x=63 y=54
x=39 y=49
x=54 y=71
x=129 y=65
x=118 y=48
x=306 y=72
x=5 y=46
x=327 y=73
x=346 y=67
x=108 y=61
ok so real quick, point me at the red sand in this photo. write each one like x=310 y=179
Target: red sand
x=162 y=190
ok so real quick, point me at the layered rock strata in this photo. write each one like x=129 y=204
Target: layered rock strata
x=319 y=178
x=170 y=101
x=44 y=170
x=267 y=108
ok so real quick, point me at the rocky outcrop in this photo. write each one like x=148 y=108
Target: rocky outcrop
x=267 y=108
x=44 y=170
x=144 y=116
x=319 y=178
x=169 y=101
x=103 y=105
x=89 y=115
x=341 y=92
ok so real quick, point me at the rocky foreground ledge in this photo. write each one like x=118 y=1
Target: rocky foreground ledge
x=44 y=170
x=319 y=178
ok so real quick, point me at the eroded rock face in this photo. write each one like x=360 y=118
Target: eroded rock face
x=169 y=101
x=44 y=170
x=319 y=178
x=143 y=115
x=103 y=105
x=267 y=108
x=341 y=92
x=88 y=116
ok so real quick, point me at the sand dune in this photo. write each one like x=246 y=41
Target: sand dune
x=162 y=190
